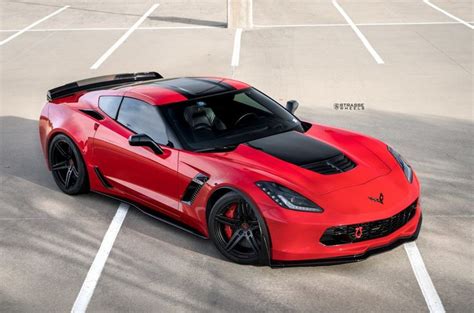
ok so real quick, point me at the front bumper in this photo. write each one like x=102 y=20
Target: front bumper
x=295 y=237
x=298 y=240
x=352 y=258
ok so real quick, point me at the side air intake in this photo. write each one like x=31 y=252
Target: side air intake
x=193 y=188
x=94 y=114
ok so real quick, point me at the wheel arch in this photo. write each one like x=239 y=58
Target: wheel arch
x=54 y=133
x=223 y=190
x=81 y=154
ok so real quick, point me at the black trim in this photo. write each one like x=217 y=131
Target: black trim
x=219 y=82
x=92 y=113
x=193 y=188
x=344 y=234
x=179 y=90
x=182 y=86
x=100 y=82
x=157 y=215
x=350 y=258
x=102 y=179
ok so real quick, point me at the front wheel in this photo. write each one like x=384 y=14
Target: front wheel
x=237 y=230
x=67 y=166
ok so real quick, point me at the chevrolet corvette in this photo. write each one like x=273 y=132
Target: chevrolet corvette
x=220 y=159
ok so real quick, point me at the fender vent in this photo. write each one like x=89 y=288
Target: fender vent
x=193 y=188
x=102 y=179
x=94 y=114
x=338 y=164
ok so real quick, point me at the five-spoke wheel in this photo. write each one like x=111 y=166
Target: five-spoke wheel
x=67 y=165
x=235 y=227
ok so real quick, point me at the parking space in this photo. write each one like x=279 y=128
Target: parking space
x=392 y=12
x=419 y=100
x=56 y=57
x=207 y=13
x=199 y=280
x=268 y=12
x=176 y=52
x=462 y=9
x=18 y=15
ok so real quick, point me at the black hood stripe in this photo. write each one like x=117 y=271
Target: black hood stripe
x=297 y=148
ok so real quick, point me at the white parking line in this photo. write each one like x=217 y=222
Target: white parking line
x=448 y=14
x=33 y=25
x=88 y=287
x=36 y=30
x=357 y=24
x=88 y=29
x=424 y=281
x=123 y=38
x=236 y=51
x=361 y=36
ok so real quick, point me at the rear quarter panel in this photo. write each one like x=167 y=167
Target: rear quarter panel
x=67 y=119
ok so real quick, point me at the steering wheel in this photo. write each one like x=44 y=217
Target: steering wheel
x=246 y=115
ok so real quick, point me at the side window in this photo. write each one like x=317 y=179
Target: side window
x=110 y=105
x=142 y=118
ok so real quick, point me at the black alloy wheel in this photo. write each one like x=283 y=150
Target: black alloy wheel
x=237 y=230
x=67 y=166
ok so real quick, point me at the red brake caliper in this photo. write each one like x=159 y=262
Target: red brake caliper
x=230 y=214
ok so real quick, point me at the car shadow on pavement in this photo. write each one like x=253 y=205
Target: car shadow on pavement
x=22 y=166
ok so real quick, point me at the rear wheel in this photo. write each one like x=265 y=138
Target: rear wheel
x=236 y=228
x=67 y=166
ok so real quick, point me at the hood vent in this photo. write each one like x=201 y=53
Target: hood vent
x=335 y=165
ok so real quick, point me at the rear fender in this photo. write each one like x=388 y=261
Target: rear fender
x=80 y=127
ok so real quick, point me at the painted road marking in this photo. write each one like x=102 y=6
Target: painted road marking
x=423 y=277
x=116 y=28
x=361 y=36
x=32 y=25
x=88 y=287
x=123 y=38
x=448 y=14
x=36 y=30
x=236 y=51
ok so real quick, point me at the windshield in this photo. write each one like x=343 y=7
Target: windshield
x=226 y=120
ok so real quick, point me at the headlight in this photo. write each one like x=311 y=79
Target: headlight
x=403 y=164
x=288 y=198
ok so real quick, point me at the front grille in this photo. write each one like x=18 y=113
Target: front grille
x=338 y=164
x=366 y=231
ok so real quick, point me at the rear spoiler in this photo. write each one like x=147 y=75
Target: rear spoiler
x=100 y=82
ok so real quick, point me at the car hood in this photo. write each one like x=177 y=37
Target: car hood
x=284 y=158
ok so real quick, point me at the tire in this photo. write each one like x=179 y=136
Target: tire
x=67 y=166
x=237 y=230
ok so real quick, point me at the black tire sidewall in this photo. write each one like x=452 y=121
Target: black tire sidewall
x=81 y=185
x=228 y=198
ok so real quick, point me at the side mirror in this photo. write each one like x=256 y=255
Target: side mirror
x=291 y=106
x=145 y=141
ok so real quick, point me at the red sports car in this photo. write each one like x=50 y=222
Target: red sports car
x=220 y=159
